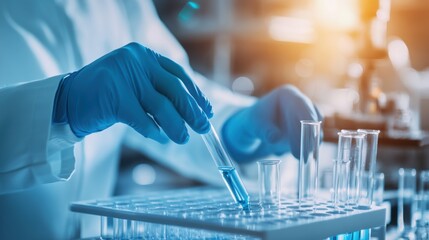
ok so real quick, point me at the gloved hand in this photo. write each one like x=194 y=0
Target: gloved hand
x=270 y=126
x=136 y=86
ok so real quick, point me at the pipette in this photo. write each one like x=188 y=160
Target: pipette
x=226 y=168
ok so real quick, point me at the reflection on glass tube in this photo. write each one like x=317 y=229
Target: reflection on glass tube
x=226 y=168
x=309 y=160
x=350 y=145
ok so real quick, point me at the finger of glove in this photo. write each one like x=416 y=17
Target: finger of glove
x=268 y=131
x=266 y=149
x=263 y=119
x=277 y=148
x=167 y=117
x=174 y=89
x=269 y=128
x=178 y=71
x=133 y=115
x=256 y=123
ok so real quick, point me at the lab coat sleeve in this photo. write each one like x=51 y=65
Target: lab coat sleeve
x=30 y=152
x=193 y=159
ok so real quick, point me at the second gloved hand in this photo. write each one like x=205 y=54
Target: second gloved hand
x=270 y=126
x=136 y=86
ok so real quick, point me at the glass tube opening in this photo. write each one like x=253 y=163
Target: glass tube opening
x=369 y=160
x=269 y=183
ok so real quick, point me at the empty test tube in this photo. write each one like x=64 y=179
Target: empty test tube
x=406 y=204
x=340 y=183
x=269 y=183
x=347 y=167
x=309 y=160
x=350 y=145
x=424 y=197
x=122 y=228
x=106 y=223
x=369 y=159
x=226 y=168
x=378 y=189
x=371 y=145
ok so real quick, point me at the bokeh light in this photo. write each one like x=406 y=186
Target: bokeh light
x=243 y=85
x=144 y=174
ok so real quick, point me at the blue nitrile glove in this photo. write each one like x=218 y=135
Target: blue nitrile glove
x=270 y=126
x=136 y=86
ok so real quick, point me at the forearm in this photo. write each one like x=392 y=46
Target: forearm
x=30 y=152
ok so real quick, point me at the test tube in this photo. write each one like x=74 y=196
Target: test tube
x=226 y=168
x=349 y=150
x=106 y=223
x=122 y=228
x=340 y=183
x=366 y=190
x=269 y=183
x=308 y=161
x=378 y=189
x=406 y=204
x=369 y=159
x=141 y=229
x=424 y=197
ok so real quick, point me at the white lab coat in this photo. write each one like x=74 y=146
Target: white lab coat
x=40 y=42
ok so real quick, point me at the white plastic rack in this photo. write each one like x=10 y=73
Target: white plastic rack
x=210 y=212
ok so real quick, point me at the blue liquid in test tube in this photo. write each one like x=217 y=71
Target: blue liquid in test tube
x=235 y=186
x=226 y=168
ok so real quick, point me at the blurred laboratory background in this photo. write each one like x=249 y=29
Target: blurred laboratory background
x=365 y=64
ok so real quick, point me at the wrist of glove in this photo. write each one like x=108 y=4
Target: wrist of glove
x=136 y=86
x=270 y=126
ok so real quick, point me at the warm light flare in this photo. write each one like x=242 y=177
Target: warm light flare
x=291 y=29
x=336 y=14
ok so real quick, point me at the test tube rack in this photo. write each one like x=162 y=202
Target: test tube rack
x=212 y=210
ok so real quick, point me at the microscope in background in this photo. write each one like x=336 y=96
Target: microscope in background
x=371 y=48
x=375 y=110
